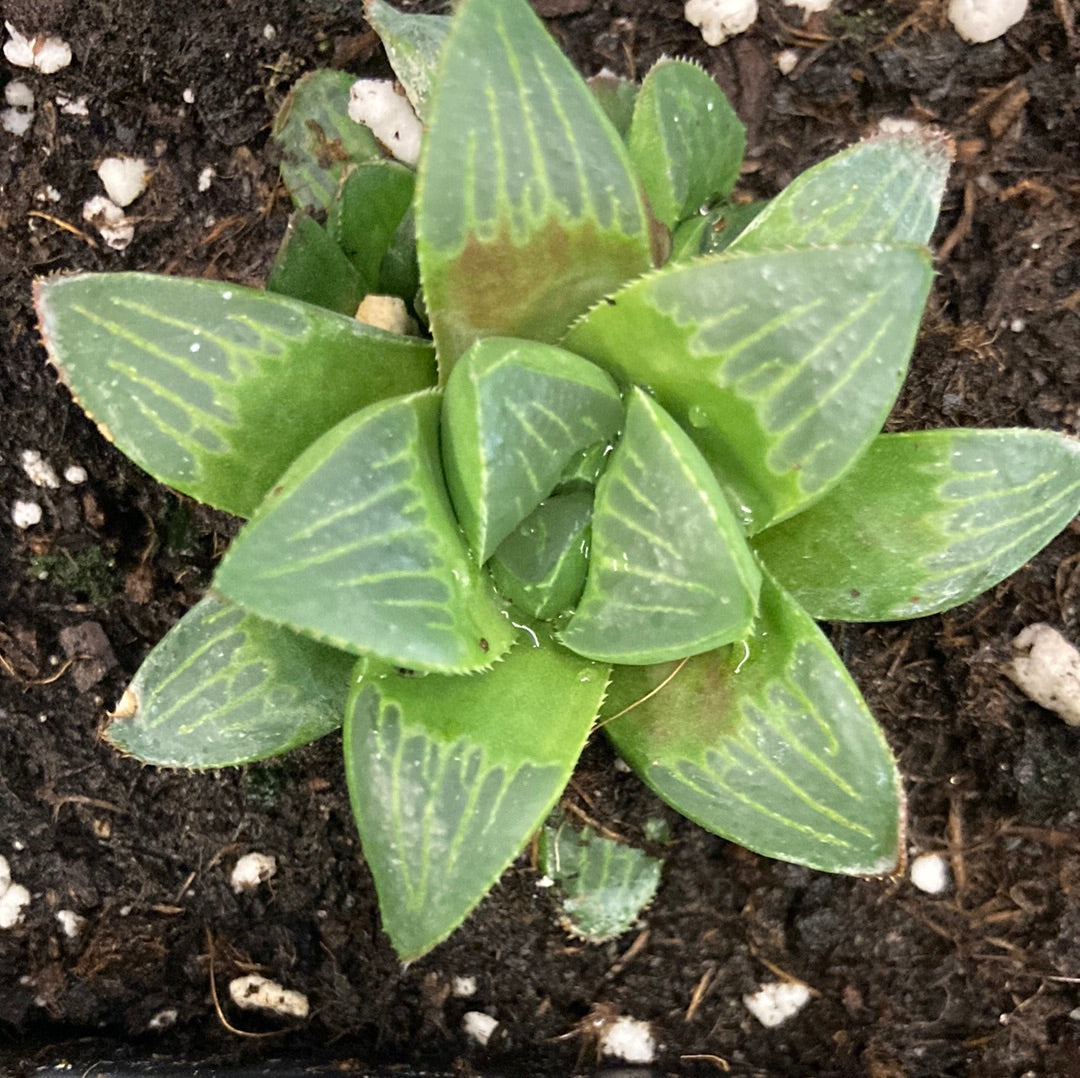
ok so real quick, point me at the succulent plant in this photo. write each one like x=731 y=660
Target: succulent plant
x=630 y=453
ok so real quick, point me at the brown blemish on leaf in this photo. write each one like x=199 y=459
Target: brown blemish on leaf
x=532 y=289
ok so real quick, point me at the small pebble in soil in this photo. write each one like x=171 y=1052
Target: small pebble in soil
x=774 y=1003
x=188 y=96
x=251 y=870
x=75 y=474
x=14 y=898
x=124 y=178
x=206 y=178
x=41 y=52
x=478 y=1026
x=463 y=987
x=163 y=1020
x=787 y=61
x=116 y=228
x=930 y=873
x=73 y=106
x=720 y=19
x=71 y=924
x=19 y=115
x=1046 y=669
x=38 y=470
x=628 y=1039
x=254 y=992
x=378 y=105
x=25 y=514
x=979 y=21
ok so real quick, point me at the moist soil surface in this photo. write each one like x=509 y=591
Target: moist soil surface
x=983 y=980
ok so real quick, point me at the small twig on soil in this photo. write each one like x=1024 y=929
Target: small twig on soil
x=1064 y=11
x=956 y=848
x=721 y=1064
x=699 y=993
x=58 y=801
x=64 y=668
x=632 y=952
x=783 y=974
x=582 y=815
x=962 y=229
x=62 y=224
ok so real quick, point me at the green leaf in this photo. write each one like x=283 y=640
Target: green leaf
x=782 y=366
x=527 y=209
x=366 y=213
x=685 y=140
x=926 y=521
x=357 y=546
x=603 y=885
x=515 y=414
x=616 y=96
x=224 y=687
x=449 y=778
x=768 y=744
x=413 y=44
x=886 y=189
x=310 y=266
x=399 y=274
x=317 y=138
x=669 y=571
x=211 y=387
x=584 y=468
x=540 y=566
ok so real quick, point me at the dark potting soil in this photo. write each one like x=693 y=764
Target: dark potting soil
x=981 y=981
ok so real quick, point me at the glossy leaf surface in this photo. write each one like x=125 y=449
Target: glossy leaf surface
x=211 y=387
x=527 y=211
x=540 y=566
x=685 y=140
x=310 y=266
x=887 y=188
x=515 y=414
x=770 y=745
x=669 y=571
x=366 y=213
x=413 y=44
x=357 y=546
x=616 y=96
x=224 y=687
x=318 y=140
x=782 y=366
x=926 y=521
x=602 y=885
x=449 y=777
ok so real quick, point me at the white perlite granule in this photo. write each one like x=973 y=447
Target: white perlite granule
x=774 y=1003
x=43 y=53
x=124 y=178
x=251 y=870
x=930 y=873
x=38 y=470
x=14 y=898
x=979 y=21
x=254 y=992
x=378 y=105
x=25 y=514
x=478 y=1026
x=1046 y=669
x=720 y=19
x=629 y=1040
